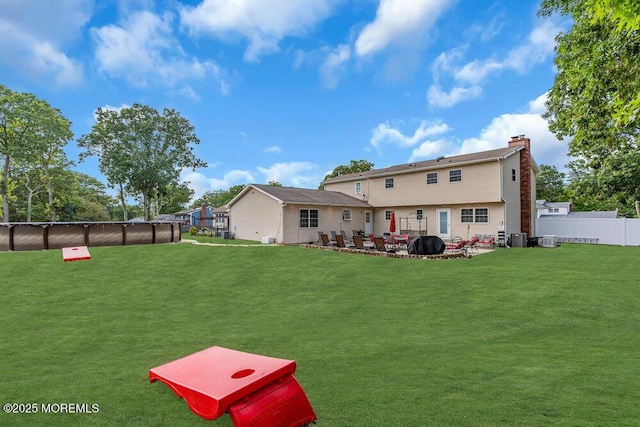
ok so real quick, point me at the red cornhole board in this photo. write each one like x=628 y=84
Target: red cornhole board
x=255 y=390
x=75 y=254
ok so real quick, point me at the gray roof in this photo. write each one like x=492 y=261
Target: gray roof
x=305 y=196
x=439 y=163
x=593 y=214
x=581 y=215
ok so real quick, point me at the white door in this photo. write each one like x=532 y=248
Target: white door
x=444 y=225
x=368 y=223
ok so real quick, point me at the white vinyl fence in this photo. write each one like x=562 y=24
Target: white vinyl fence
x=608 y=231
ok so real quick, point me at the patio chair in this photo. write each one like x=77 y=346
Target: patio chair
x=456 y=245
x=325 y=239
x=344 y=236
x=380 y=245
x=358 y=242
x=340 y=241
x=487 y=243
x=471 y=246
x=320 y=233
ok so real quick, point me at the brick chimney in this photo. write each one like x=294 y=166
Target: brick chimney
x=203 y=215
x=525 y=183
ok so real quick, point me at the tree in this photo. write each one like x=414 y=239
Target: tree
x=354 y=166
x=142 y=151
x=550 y=184
x=219 y=197
x=32 y=132
x=596 y=91
x=172 y=198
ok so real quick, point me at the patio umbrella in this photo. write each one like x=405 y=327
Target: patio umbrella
x=392 y=223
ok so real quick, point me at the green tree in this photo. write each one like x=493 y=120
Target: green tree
x=550 y=184
x=219 y=197
x=172 y=198
x=141 y=151
x=354 y=166
x=32 y=132
x=596 y=91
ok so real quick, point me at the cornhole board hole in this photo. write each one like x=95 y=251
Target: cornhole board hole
x=255 y=390
x=76 y=253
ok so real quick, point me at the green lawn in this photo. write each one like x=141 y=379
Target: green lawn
x=515 y=337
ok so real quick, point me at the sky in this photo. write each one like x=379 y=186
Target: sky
x=287 y=90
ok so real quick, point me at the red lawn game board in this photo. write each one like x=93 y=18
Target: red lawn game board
x=253 y=389
x=75 y=254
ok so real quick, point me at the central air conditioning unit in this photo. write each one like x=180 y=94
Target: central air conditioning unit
x=519 y=240
x=549 y=241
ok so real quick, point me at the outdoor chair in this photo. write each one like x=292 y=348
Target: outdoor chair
x=344 y=236
x=320 y=233
x=380 y=245
x=456 y=245
x=358 y=242
x=325 y=240
x=471 y=246
x=340 y=241
x=487 y=243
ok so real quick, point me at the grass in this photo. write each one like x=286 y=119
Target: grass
x=516 y=337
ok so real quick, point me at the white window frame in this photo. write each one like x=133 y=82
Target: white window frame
x=455 y=178
x=389 y=183
x=358 y=187
x=346 y=214
x=433 y=174
x=311 y=221
x=471 y=215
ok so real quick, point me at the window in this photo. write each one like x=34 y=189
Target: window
x=388 y=183
x=308 y=218
x=432 y=178
x=482 y=215
x=513 y=175
x=466 y=215
x=358 y=187
x=419 y=214
x=387 y=215
x=474 y=215
x=346 y=214
x=554 y=210
x=455 y=175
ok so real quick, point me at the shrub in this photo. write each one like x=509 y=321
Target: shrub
x=193 y=231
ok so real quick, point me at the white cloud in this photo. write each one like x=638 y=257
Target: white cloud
x=296 y=174
x=200 y=183
x=143 y=51
x=399 y=22
x=263 y=23
x=273 y=150
x=33 y=36
x=429 y=149
x=545 y=147
x=333 y=66
x=539 y=45
x=436 y=97
x=384 y=133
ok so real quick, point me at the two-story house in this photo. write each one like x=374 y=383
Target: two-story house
x=464 y=195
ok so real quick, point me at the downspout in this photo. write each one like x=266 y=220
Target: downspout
x=281 y=227
x=504 y=204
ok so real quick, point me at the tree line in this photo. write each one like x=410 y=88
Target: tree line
x=141 y=152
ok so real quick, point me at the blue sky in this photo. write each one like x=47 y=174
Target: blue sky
x=286 y=90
